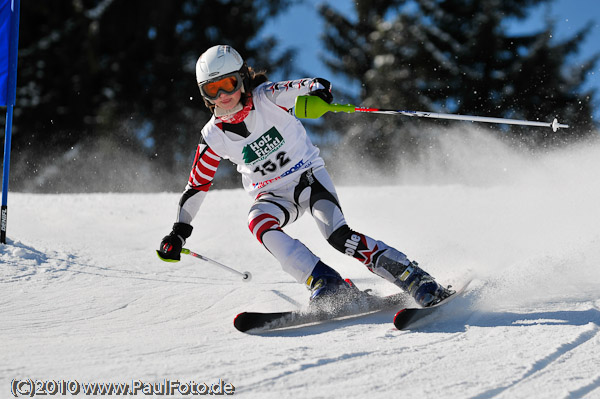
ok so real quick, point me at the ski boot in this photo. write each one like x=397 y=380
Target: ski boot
x=411 y=278
x=327 y=287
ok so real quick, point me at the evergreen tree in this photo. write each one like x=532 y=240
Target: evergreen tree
x=454 y=56
x=374 y=51
x=491 y=72
x=122 y=72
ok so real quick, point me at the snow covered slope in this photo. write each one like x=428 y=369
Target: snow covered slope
x=84 y=298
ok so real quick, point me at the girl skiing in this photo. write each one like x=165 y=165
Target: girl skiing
x=252 y=125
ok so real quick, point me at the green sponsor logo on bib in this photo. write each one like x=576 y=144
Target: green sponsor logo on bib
x=260 y=148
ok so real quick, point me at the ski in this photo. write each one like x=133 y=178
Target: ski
x=407 y=317
x=367 y=303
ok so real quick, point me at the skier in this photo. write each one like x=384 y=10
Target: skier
x=253 y=126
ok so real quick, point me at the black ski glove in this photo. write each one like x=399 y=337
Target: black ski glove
x=171 y=245
x=323 y=94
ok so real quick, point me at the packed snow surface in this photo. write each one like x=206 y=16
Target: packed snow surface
x=83 y=296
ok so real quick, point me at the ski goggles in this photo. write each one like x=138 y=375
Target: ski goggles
x=228 y=84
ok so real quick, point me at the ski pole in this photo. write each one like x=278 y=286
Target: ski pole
x=246 y=276
x=313 y=107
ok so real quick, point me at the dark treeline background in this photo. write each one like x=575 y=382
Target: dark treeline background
x=107 y=100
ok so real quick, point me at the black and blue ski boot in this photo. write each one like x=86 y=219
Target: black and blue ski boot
x=411 y=278
x=326 y=285
x=421 y=286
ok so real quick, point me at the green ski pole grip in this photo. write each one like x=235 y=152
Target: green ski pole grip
x=313 y=107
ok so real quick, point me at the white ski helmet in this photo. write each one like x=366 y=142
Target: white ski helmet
x=219 y=62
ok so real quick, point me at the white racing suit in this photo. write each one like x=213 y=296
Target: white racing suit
x=283 y=171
